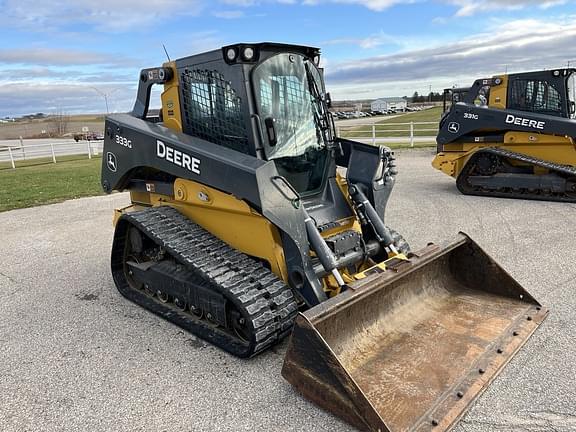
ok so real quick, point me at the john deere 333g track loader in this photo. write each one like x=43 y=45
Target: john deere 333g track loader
x=242 y=231
x=512 y=136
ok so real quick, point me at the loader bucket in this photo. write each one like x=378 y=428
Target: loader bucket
x=410 y=348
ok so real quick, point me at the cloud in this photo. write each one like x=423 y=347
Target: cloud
x=229 y=14
x=31 y=73
x=47 y=80
x=375 y=5
x=102 y=15
x=522 y=45
x=61 y=57
x=190 y=43
x=36 y=79
x=468 y=7
x=372 y=41
x=46 y=74
x=67 y=98
x=464 y=7
x=240 y=3
x=112 y=16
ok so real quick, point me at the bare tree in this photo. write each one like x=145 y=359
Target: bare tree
x=60 y=122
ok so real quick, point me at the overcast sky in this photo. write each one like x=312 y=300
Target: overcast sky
x=64 y=56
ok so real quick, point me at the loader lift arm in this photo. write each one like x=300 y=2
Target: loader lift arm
x=472 y=119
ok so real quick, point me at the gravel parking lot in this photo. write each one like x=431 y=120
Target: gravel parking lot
x=76 y=356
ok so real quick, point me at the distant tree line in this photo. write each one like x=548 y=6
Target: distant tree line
x=33 y=116
x=431 y=97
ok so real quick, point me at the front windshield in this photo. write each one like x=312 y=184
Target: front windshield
x=283 y=91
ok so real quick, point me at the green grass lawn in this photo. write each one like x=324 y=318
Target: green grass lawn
x=39 y=181
x=429 y=115
x=35 y=184
x=388 y=127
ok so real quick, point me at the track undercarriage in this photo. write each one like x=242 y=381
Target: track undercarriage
x=501 y=173
x=174 y=268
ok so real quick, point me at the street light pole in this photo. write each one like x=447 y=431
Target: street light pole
x=105 y=96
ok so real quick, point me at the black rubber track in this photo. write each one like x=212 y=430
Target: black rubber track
x=263 y=300
x=565 y=171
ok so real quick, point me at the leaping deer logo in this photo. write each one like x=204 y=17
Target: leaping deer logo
x=111 y=161
x=454 y=127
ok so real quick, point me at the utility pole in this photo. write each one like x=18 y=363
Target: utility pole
x=430 y=93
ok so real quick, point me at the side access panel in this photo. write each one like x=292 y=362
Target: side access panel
x=409 y=349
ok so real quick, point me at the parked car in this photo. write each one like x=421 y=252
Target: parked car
x=88 y=136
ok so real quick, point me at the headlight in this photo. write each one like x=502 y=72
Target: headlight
x=248 y=53
x=231 y=54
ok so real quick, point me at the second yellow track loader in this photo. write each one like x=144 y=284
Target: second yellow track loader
x=242 y=231
x=512 y=136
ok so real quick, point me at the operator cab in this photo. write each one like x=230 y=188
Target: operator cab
x=452 y=96
x=266 y=100
x=550 y=92
x=545 y=92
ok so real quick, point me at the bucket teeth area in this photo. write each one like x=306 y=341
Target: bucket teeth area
x=410 y=351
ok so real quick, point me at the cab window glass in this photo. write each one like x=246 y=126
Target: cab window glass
x=536 y=96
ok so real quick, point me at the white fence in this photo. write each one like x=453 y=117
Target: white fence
x=22 y=151
x=382 y=133
x=374 y=133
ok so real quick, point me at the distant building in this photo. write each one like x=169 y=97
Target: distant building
x=387 y=104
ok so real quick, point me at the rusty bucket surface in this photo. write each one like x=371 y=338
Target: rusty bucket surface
x=410 y=348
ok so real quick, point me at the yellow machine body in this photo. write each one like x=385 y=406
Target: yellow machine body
x=233 y=221
x=557 y=149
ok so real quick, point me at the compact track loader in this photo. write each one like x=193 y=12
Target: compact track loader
x=242 y=230
x=512 y=136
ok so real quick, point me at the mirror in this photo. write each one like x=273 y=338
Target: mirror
x=328 y=100
x=270 y=131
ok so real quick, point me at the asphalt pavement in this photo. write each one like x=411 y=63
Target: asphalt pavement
x=76 y=356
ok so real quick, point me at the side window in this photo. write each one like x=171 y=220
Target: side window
x=483 y=96
x=212 y=110
x=537 y=96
